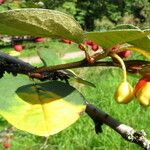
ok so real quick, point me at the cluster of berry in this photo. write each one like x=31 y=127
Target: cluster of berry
x=93 y=46
x=19 y=47
x=124 y=93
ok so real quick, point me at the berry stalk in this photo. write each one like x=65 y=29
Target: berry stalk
x=122 y=65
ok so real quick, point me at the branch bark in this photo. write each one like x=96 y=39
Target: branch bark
x=128 y=133
x=15 y=65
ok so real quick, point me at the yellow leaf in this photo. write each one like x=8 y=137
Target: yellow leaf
x=43 y=109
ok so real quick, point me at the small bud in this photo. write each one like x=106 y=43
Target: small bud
x=82 y=47
x=114 y=48
x=124 y=93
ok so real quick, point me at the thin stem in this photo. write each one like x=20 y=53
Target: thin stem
x=78 y=64
x=122 y=66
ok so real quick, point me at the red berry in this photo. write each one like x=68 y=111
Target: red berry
x=2 y=1
x=39 y=39
x=95 y=47
x=125 y=54
x=88 y=42
x=81 y=47
x=18 y=47
x=67 y=41
x=6 y=145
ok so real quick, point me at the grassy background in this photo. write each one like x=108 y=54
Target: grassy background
x=81 y=135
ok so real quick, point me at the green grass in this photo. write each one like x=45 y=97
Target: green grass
x=81 y=135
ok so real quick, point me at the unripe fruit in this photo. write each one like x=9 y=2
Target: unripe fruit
x=124 y=93
x=39 y=39
x=6 y=145
x=143 y=95
x=18 y=47
x=125 y=54
x=95 y=47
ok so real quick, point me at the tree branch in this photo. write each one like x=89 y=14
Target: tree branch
x=133 y=66
x=128 y=133
x=15 y=66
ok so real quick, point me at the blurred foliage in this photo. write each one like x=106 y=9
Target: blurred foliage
x=93 y=15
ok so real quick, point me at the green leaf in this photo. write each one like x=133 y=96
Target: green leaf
x=143 y=43
x=125 y=26
x=108 y=39
x=49 y=57
x=43 y=108
x=40 y=22
x=147 y=31
x=71 y=74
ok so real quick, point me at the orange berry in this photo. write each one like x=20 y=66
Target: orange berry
x=142 y=91
x=6 y=145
